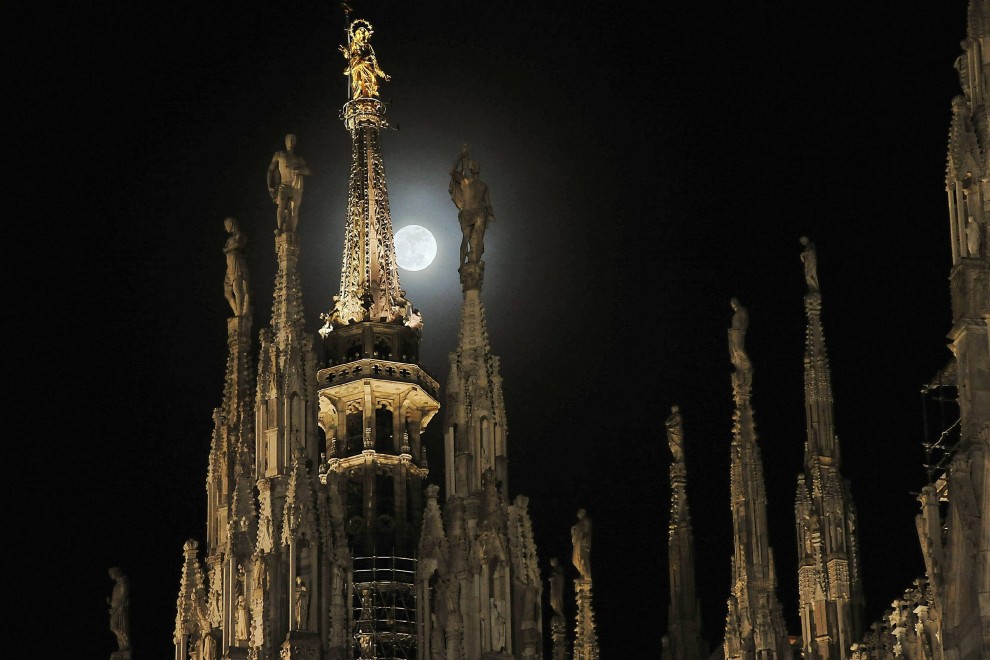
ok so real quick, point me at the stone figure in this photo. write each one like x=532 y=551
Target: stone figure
x=474 y=204
x=301 y=609
x=810 y=260
x=362 y=65
x=498 y=625
x=737 y=337
x=367 y=607
x=285 y=185
x=972 y=237
x=209 y=651
x=241 y=623
x=235 y=281
x=556 y=587
x=581 y=539
x=675 y=434
x=260 y=575
x=120 y=606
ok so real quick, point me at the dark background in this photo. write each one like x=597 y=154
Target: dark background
x=647 y=162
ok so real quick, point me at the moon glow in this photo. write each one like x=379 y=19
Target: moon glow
x=415 y=247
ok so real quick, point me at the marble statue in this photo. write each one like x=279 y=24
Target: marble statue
x=241 y=623
x=737 y=338
x=235 y=282
x=581 y=539
x=556 y=587
x=675 y=434
x=301 y=610
x=972 y=237
x=498 y=625
x=810 y=260
x=120 y=606
x=209 y=647
x=285 y=185
x=362 y=65
x=471 y=197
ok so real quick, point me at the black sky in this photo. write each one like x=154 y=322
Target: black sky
x=647 y=162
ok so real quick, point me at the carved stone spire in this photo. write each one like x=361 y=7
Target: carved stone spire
x=475 y=419
x=191 y=621
x=755 y=623
x=369 y=276
x=684 y=617
x=830 y=590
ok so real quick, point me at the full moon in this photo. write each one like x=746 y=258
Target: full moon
x=415 y=247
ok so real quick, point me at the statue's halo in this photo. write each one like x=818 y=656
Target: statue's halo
x=364 y=23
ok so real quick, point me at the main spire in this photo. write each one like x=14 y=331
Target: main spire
x=369 y=278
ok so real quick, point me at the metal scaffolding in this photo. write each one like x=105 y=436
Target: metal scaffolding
x=384 y=602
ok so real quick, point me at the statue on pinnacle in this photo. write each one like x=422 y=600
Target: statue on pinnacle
x=285 y=185
x=675 y=434
x=470 y=196
x=362 y=65
x=810 y=260
x=581 y=540
x=235 y=281
x=120 y=606
x=737 y=343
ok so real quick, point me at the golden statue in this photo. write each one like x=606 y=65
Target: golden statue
x=362 y=65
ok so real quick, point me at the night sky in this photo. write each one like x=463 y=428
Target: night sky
x=647 y=162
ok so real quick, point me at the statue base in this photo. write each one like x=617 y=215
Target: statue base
x=236 y=653
x=300 y=645
x=120 y=655
x=472 y=275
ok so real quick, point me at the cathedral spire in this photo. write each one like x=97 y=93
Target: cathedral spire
x=476 y=424
x=755 y=624
x=829 y=588
x=684 y=613
x=491 y=555
x=369 y=276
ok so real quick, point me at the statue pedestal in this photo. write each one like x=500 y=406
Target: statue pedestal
x=472 y=275
x=585 y=638
x=236 y=653
x=301 y=645
x=120 y=655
